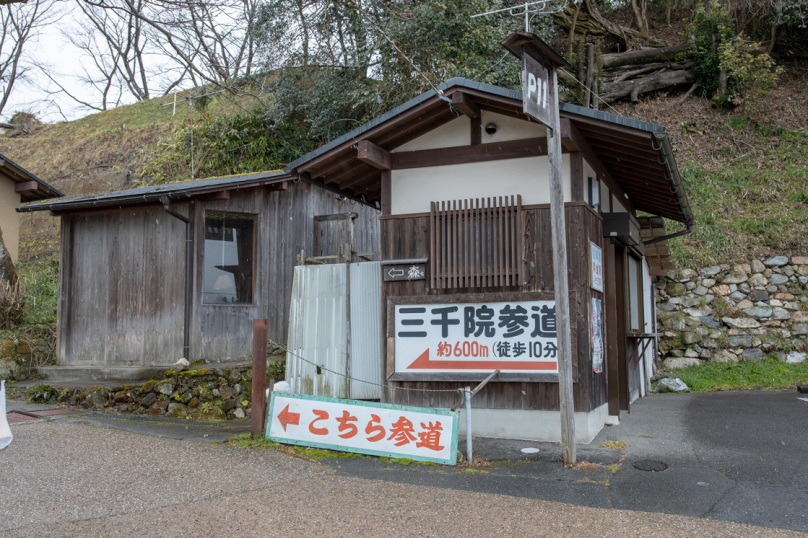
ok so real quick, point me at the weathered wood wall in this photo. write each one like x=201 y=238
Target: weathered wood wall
x=121 y=288
x=122 y=281
x=407 y=237
x=284 y=227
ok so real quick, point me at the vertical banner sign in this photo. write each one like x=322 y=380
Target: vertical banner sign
x=364 y=427
x=596 y=324
x=515 y=336
x=596 y=263
x=535 y=91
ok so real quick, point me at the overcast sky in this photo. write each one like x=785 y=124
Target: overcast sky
x=49 y=48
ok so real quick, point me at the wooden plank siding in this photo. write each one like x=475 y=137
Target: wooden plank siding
x=122 y=288
x=407 y=237
x=122 y=278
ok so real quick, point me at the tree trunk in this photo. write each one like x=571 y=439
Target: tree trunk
x=591 y=21
x=7 y=272
x=639 y=15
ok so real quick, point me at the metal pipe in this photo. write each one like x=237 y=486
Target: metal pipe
x=686 y=231
x=469 y=453
x=186 y=336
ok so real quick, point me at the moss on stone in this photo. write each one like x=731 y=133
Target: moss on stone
x=196 y=373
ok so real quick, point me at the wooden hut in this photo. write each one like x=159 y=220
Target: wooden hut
x=463 y=183
x=153 y=274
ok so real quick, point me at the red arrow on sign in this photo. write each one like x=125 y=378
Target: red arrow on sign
x=424 y=363
x=287 y=417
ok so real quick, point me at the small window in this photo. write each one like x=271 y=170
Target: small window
x=228 y=258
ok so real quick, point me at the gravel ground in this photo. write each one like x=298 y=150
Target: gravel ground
x=68 y=479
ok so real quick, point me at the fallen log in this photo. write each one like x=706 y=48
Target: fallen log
x=627 y=73
x=645 y=56
x=633 y=88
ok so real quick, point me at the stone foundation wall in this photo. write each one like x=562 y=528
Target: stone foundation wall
x=206 y=393
x=732 y=313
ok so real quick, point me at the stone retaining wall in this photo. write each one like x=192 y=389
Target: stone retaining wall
x=207 y=393
x=732 y=313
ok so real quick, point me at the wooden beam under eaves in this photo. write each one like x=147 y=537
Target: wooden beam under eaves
x=464 y=104
x=375 y=156
x=217 y=195
x=26 y=186
x=282 y=186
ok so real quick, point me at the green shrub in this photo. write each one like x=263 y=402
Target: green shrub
x=726 y=66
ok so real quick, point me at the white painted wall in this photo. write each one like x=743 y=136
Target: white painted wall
x=413 y=189
x=9 y=218
x=509 y=128
x=589 y=172
x=604 y=197
x=647 y=367
x=449 y=135
x=617 y=206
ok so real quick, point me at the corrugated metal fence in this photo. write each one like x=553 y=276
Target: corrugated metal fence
x=344 y=344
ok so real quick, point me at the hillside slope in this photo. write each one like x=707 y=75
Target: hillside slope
x=98 y=153
x=745 y=172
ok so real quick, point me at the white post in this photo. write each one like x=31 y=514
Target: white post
x=562 y=296
x=469 y=452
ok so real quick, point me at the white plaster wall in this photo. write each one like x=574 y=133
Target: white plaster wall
x=9 y=218
x=617 y=206
x=589 y=172
x=650 y=327
x=604 y=197
x=412 y=190
x=449 y=135
x=510 y=128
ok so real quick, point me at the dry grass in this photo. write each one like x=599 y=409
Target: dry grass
x=12 y=304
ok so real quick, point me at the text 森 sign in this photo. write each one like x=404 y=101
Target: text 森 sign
x=363 y=427
x=535 y=92
x=512 y=336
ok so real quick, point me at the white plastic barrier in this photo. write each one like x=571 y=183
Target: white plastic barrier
x=5 y=431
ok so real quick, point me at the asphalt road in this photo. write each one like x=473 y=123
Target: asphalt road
x=733 y=458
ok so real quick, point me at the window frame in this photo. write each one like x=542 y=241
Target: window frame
x=253 y=218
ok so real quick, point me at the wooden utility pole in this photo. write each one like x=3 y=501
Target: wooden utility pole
x=540 y=100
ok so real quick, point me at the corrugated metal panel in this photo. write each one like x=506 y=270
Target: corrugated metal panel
x=318 y=331
x=366 y=330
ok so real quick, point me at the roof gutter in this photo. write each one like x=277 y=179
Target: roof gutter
x=186 y=336
x=669 y=236
x=663 y=144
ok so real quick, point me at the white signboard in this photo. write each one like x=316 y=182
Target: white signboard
x=363 y=427
x=517 y=336
x=596 y=325
x=596 y=263
x=535 y=92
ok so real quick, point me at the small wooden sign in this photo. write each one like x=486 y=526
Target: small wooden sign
x=403 y=271
x=535 y=94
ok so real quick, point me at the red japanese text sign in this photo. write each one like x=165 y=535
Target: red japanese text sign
x=510 y=336
x=363 y=427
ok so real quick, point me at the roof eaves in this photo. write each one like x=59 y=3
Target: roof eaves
x=52 y=191
x=175 y=191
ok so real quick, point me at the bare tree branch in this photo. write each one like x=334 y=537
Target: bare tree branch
x=19 y=23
